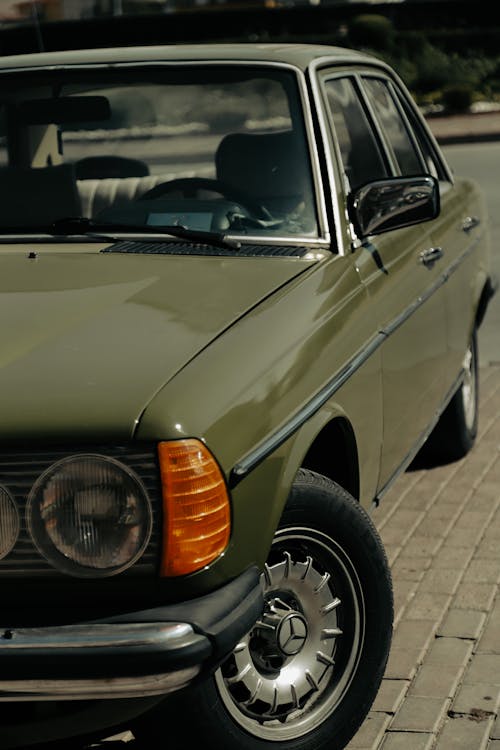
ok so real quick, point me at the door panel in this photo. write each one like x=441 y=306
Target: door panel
x=461 y=231
x=410 y=301
x=407 y=296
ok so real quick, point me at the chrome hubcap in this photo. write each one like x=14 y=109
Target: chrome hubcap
x=293 y=667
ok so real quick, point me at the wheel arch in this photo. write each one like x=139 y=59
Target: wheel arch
x=334 y=454
x=489 y=289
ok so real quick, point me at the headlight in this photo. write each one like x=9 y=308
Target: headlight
x=89 y=516
x=9 y=522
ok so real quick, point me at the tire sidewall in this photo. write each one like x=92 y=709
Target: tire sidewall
x=320 y=505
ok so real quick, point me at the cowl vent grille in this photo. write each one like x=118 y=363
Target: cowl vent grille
x=193 y=248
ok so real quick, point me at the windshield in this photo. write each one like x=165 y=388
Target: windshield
x=210 y=148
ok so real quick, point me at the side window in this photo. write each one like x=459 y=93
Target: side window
x=432 y=162
x=394 y=126
x=358 y=144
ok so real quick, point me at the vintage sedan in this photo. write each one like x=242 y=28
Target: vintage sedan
x=240 y=293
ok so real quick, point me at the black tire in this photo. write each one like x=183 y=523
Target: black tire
x=455 y=433
x=306 y=675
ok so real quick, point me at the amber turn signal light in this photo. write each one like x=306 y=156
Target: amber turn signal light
x=196 y=507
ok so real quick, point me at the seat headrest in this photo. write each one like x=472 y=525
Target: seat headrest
x=98 y=167
x=268 y=165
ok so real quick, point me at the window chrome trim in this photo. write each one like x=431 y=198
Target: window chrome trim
x=323 y=235
x=334 y=188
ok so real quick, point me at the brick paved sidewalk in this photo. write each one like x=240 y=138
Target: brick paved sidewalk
x=441 y=529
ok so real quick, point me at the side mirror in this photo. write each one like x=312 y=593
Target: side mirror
x=393 y=203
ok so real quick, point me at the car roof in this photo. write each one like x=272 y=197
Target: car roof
x=300 y=56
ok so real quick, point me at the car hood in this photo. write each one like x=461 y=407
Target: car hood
x=87 y=338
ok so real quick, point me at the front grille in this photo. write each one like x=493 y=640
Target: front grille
x=18 y=472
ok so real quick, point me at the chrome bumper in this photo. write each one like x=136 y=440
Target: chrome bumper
x=131 y=655
x=88 y=643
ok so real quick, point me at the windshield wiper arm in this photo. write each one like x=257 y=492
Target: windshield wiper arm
x=82 y=225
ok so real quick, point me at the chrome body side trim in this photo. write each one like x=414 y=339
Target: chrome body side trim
x=256 y=456
x=269 y=445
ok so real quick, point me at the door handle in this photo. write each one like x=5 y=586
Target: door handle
x=430 y=256
x=469 y=223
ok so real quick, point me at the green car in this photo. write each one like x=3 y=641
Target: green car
x=240 y=290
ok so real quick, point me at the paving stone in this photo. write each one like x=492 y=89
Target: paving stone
x=436 y=681
x=464 y=537
x=488 y=546
x=406 y=518
x=402 y=663
x=450 y=651
x=394 y=535
x=489 y=642
x=462 y=623
x=485 y=497
x=452 y=557
x=435 y=526
x=479 y=697
x=404 y=592
x=441 y=580
x=428 y=606
x=414 y=634
x=483 y=668
x=443 y=508
x=441 y=688
x=370 y=733
x=420 y=714
x=409 y=568
x=450 y=498
x=473 y=520
x=462 y=733
x=390 y=695
x=423 y=546
x=407 y=741
x=464 y=480
x=482 y=570
x=478 y=596
x=495 y=732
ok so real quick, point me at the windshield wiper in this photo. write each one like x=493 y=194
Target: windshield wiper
x=82 y=225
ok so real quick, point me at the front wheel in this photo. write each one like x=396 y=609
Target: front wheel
x=305 y=676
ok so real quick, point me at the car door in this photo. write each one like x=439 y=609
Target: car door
x=401 y=268
x=461 y=232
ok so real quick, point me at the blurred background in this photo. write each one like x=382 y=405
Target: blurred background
x=446 y=51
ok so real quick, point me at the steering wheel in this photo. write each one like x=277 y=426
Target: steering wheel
x=190 y=187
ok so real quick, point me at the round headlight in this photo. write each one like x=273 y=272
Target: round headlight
x=89 y=516
x=9 y=522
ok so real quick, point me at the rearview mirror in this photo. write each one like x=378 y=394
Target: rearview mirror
x=64 y=109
